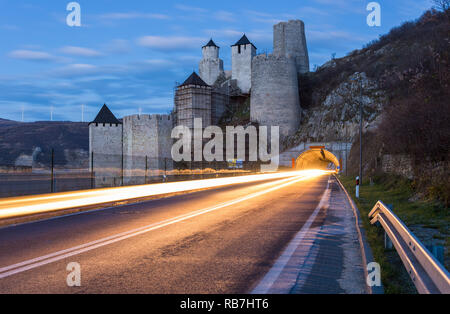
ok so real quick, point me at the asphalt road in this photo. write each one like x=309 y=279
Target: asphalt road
x=229 y=243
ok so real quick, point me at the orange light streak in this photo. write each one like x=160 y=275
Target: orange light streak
x=28 y=205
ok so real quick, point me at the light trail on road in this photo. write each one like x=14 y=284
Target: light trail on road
x=23 y=206
x=56 y=256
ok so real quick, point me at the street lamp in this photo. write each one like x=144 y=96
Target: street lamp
x=360 y=128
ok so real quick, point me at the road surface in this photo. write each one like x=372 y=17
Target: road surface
x=225 y=240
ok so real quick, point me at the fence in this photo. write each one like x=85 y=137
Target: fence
x=427 y=274
x=56 y=171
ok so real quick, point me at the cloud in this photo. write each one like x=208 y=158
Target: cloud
x=80 y=51
x=31 y=55
x=190 y=9
x=75 y=70
x=133 y=15
x=118 y=46
x=268 y=18
x=234 y=35
x=158 y=62
x=353 y=6
x=224 y=16
x=321 y=36
x=170 y=42
x=312 y=11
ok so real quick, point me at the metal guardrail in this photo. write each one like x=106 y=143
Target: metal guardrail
x=426 y=272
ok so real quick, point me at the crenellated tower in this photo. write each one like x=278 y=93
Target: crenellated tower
x=242 y=54
x=105 y=148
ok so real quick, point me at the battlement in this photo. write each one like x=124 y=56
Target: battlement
x=105 y=125
x=146 y=117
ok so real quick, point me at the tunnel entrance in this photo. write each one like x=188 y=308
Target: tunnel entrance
x=317 y=157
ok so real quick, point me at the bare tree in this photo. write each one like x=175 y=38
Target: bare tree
x=442 y=5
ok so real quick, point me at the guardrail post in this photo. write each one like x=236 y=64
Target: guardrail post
x=437 y=251
x=387 y=241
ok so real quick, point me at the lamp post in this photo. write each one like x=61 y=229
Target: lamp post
x=360 y=128
x=360 y=134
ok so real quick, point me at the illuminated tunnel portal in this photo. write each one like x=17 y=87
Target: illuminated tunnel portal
x=317 y=158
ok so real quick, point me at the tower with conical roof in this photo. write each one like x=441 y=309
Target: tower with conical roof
x=242 y=54
x=211 y=66
x=105 y=148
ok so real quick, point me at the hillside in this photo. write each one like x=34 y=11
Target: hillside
x=19 y=141
x=405 y=81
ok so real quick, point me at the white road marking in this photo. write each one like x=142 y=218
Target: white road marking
x=274 y=273
x=60 y=255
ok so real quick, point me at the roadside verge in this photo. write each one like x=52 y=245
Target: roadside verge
x=366 y=251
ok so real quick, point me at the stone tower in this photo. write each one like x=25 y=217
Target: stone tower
x=193 y=100
x=105 y=148
x=242 y=54
x=289 y=40
x=275 y=99
x=211 y=66
x=275 y=96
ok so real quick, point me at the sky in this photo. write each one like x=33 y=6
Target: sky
x=131 y=54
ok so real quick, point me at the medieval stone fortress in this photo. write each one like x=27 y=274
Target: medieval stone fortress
x=127 y=147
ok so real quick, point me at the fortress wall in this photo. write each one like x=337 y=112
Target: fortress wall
x=289 y=40
x=105 y=141
x=165 y=142
x=242 y=66
x=142 y=144
x=275 y=97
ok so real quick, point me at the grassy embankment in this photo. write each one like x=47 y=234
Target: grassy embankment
x=429 y=219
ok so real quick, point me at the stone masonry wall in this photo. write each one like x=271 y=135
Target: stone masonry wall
x=105 y=142
x=289 y=40
x=210 y=67
x=242 y=66
x=275 y=96
x=147 y=144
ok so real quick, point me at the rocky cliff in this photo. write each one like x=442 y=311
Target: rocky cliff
x=402 y=82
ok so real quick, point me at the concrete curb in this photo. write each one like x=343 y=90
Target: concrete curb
x=366 y=251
